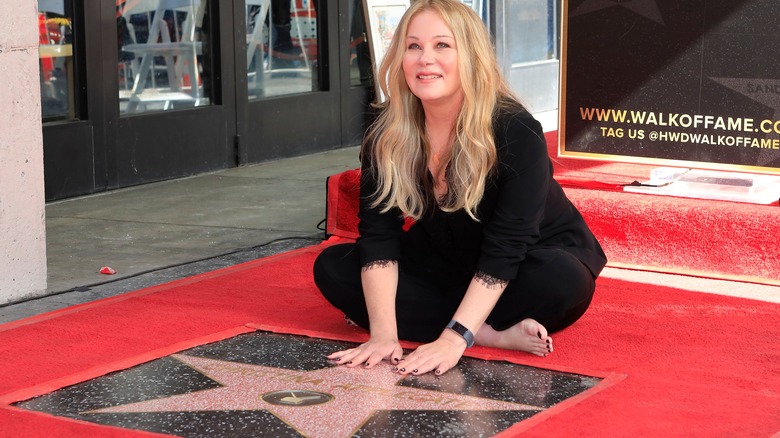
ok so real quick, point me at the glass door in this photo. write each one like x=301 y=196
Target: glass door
x=71 y=123
x=173 y=108
x=298 y=89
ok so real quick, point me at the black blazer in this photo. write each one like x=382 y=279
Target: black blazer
x=523 y=208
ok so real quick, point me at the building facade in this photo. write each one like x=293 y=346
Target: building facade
x=146 y=90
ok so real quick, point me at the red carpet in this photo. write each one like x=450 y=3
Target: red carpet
x=695 y=364
x=713 y=239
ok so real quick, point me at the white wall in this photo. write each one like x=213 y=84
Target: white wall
x=22 y=204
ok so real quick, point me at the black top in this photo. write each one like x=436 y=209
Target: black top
x=523 y=208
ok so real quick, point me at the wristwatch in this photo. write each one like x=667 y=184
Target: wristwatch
x=462 y=331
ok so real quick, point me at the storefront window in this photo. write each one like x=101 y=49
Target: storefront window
x=281 y=47
x=533 y=35
x=163 y=55
x=55 y=36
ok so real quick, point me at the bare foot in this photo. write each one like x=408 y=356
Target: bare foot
x=527 y=335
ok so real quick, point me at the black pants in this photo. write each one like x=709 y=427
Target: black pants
x=552 y=286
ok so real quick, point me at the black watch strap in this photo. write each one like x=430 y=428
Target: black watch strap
x=462 y=331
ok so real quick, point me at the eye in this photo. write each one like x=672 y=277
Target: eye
x=442 y=46
x=413 y=46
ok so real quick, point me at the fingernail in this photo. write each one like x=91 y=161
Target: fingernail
x=403 y=370
x=367 y=364
x=395 y=369
x=438 y=372
x=349 y=363
x=338 y=359
x=414 y=371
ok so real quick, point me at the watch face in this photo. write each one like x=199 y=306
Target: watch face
x=463 y=331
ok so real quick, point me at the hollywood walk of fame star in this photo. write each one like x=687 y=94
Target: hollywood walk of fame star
x=355 y=395
x=762 y=91
x=646 y=8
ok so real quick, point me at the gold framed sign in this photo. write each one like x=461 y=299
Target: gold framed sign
x=673 y=83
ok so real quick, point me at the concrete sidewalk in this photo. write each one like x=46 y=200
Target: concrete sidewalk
x=163 y=231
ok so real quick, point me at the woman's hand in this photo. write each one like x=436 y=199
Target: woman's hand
x=370 y=353
x=439 y=356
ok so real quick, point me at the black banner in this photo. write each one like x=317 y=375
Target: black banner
x=680 y=82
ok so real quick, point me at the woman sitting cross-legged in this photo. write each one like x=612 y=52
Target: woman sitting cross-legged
x=498 y=255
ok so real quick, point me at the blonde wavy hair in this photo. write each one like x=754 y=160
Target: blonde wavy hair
x=398 y=145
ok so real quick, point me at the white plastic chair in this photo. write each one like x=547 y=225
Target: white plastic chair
x=180 y=55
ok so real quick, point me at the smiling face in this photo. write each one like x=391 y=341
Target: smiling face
x=430 y=61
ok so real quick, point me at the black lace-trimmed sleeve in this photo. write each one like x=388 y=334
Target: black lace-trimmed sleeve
x=490 y=281
x=379 y=264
